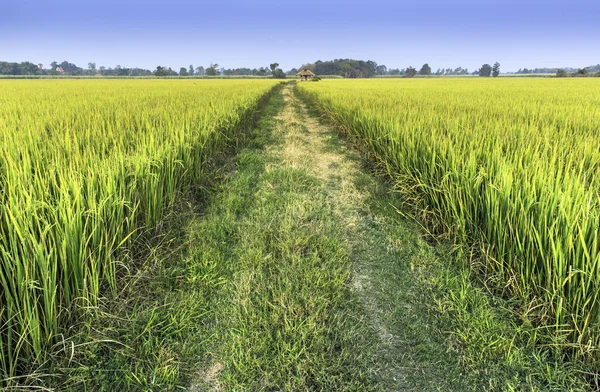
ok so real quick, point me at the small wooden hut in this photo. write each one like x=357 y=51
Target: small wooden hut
x=305 y=75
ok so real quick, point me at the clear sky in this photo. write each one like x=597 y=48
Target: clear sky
x=176 y=33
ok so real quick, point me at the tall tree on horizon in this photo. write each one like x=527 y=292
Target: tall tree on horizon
x=425 y=70
x=161 y=71
x=212 y=70
x=485 y=70
x=496 y=69
x=410 y=72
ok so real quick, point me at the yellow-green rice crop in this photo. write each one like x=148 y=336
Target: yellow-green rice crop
x=83 y=166
x=509 y=167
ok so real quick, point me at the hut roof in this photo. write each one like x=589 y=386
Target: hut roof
x=305 y=72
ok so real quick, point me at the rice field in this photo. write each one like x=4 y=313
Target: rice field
x=85 y=167
x=509 y=169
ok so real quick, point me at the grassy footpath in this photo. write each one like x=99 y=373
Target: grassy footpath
x=286 y=319
x=294 y=271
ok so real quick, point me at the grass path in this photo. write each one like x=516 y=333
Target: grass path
x=298 y=273
x=319 y=292
x=287 y=318
x=409 y=354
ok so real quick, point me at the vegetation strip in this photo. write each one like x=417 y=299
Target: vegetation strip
x=286 y=319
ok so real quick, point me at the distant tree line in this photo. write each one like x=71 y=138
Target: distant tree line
x=592 y=69
x=487 y=70
x=450 y=71
x=347 y=68
x=580 y=73
x=67 y=68
x=25 y=68
x=262 y=71
x=526 y=71
x=410 y=72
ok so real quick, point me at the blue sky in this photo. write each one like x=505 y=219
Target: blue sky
x=175 y=33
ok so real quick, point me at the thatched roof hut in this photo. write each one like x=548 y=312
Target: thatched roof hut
x=305 y=74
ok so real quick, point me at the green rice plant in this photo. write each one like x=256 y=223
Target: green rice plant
x=85 y=167
x=509 y=168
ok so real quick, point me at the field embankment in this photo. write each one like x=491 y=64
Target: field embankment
x=508 y=169
x=85 y=169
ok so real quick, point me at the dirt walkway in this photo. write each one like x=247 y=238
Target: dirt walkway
x=317 y=148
